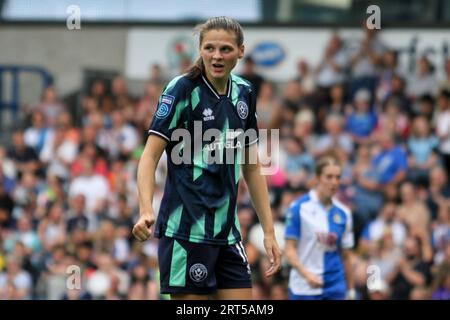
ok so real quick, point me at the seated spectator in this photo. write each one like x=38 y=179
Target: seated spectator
x=93 y=187
x=15 y=283
x=290 y=104
x=122 y=138
x=439 y=191
x=25 y=158
x=385 y=256
x=50 y=106
x=445 y=83
x=51 y=191
x=335 y=139
x=71 y=132
x=54 y=275
x=120 y=93
x=26 y=192
x=52 y=228
x=362 y=121
x=267 y=106
x=424 y=81
x=393 y=119
x=391 y=162
x=412 y=271
x=443 y=128
x=441 y=233
x=303 y=128
x=108 y=239
x=38 y=133
x=299 y=164
x=386 y=222
x=331 y=69
x=338 y=100
x=441 y=284
x=249 y=73
x=98 y=98
x=413 y=211
x=425 y=107
x=366 y=195
x=58 y=153
x=76 y=216
x=398 y=94
x=24 y=234
x=389 y=67
x=7 y=170
x=305 y=77
x=6 y=207
x=443 y=291
x=365 y=62
x=422 y=146
x=146 y=107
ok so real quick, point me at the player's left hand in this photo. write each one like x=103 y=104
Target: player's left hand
x=351 y=294
x=273 y=254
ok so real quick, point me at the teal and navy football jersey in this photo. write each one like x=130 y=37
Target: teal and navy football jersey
x=199 y=202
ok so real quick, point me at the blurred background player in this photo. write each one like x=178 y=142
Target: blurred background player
x=319 y=239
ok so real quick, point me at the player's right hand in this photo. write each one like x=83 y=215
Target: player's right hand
x=142 y=228
x=313 y=280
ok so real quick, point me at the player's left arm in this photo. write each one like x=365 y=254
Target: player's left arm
x=260 y=197
x=347 y=259
x=347 y=243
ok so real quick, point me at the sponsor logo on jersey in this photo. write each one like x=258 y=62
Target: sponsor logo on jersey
x=208 y=114
x=328 y=240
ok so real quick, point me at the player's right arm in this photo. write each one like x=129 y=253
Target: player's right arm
x=146 y=185
x=294 y=261
x=293 y=235
x=166 y=119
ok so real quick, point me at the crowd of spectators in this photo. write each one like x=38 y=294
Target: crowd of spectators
x=68 y=185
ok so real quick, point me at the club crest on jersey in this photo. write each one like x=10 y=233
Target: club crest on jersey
x=198 y=272
x=208 y=114
x=164 y=106
x=337 y=218
x=242 y=110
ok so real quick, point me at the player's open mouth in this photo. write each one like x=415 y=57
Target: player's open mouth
x=218 y=67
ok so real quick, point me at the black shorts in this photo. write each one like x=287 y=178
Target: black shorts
x=195 y=268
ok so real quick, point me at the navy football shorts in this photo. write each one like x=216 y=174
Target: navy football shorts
x=195 y=268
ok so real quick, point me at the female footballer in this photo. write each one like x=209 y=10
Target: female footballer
x=318 y=240
x=200 y=251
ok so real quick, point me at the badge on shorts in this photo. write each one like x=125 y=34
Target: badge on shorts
x=198 y=272
x=164 y=106
x=242 y=109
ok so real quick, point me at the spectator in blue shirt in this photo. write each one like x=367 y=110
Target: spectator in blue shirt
x=391 y=163
x=422 y=146
x=362 y=121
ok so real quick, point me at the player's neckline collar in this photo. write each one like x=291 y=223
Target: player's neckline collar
x=315 y=197
x=214 y=91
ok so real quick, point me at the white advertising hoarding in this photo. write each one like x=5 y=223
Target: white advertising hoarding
x=276 y=49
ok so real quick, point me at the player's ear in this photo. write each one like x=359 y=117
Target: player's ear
x=241 y=52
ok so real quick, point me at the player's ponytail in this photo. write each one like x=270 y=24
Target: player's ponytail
x=196 y=69
x=216 y=23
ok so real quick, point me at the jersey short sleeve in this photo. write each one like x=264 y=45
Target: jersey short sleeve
x=252 y=123
x=348 y=240
x=293 y=223
x=168 y=114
